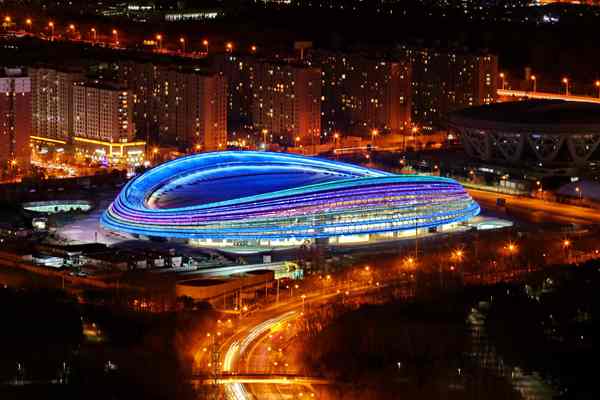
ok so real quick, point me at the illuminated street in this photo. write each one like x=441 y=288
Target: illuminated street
x=537 y=210
x=249 y=351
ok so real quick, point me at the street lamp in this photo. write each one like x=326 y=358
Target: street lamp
x=511 y=248
x=182 y=42
x=229 y=47
x=374 y=132
x=598 y=86
x=159 y=41
x=458 y=255
x=205 y=44
x=115 y=36
x=580 y=192
x=409 y=263
x=51 y=25
x=265 y=132
x=503 y=80
x=28 y=24
x=253 y=49
x=534 y=80
x=565 y=81
x=93 y=32
x=566 y=245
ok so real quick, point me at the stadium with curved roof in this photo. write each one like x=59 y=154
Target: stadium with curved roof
x=248 y=197
x=548 y=134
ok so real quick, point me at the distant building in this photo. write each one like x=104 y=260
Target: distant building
x=172 y=106
x=103 y=125
x=15 y=117
x=279 y=101
x=142 y=78
x=102 y=112
x=240 y=72
x=362 y=93
x=52 y=101
x=286 y=102
x=193 y=109
x=445 y=80
x=194 y=15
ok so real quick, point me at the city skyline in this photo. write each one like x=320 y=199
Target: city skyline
x=299 y=199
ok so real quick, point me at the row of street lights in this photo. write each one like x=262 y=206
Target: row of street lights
x=229 y=46
x=533 y=78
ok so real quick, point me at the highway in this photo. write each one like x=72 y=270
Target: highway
x=220 y=271
x=249 y=352
x=536 y=210
x=546 y=96
x=258 y=360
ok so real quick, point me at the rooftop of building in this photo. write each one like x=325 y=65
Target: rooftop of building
x=190 y=69
x=462 y=51
x=358 y=55
x=71 y=69
x=531 y=112
x=12 y=72
x=104 y=85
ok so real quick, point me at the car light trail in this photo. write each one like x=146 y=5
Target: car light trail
x=237 y=391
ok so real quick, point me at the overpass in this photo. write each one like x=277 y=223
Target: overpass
x=508 y=93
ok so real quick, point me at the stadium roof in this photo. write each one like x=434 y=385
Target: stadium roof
x=532 y=112
x=258 y=195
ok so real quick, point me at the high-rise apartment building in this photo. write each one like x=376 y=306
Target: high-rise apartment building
x=185 y=107
x=444 y=81
x=362 y=93
x=142 y=78
x=240 y=71
x=102 y=112
x=15 y=117
x=286 y=102
x=52 y=101
x=193 y=109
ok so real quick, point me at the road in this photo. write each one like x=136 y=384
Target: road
x=536 y=210
x=258 y=348
x=546 y=96
x=258 y=360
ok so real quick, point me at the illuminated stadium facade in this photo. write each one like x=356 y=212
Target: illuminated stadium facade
x=278 y=199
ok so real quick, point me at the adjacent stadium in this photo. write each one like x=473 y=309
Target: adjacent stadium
x=238 y=198
x=553 y=135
